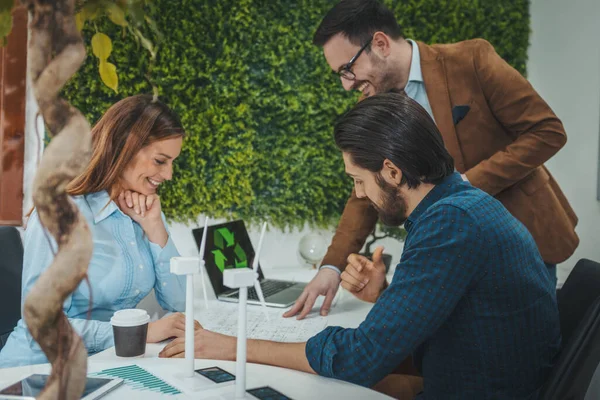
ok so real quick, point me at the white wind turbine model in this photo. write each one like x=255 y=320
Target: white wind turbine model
x=243 y=278
x=240 y=278
x=202 y=263
x=189 y=266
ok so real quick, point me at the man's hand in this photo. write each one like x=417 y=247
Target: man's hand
x=170 y=326
x=207 y=345
x=364 y=278
x=215 y=346
x=325 y=283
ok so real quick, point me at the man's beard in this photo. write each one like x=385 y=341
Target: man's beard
x=386 y=79
x=380 y=80
x=393 y=205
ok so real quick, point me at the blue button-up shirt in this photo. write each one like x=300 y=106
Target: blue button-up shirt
x=124 y=267
x=415 y=87
x=471 y=298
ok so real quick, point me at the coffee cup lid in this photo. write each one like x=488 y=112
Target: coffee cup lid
x=130 y=317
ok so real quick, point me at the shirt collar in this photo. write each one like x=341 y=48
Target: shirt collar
x=415 y=74
x=101 y=205
x=438 y=192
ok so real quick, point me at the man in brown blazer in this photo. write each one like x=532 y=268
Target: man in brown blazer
x=494 y=124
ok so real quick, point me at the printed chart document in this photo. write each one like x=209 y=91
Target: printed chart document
x=222 y=317
x=138 y=383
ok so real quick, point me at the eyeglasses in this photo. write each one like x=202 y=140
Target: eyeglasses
x=345 y=71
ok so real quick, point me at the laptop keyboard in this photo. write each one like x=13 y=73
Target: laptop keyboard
x=268 y=287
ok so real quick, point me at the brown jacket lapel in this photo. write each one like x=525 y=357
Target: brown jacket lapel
x=436 y=86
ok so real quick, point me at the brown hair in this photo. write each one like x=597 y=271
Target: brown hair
x=123 y=130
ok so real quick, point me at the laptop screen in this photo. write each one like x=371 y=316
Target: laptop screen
x=227 y=246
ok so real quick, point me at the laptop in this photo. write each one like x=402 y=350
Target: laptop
x=228 y=246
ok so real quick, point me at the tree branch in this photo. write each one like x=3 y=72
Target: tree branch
x=56 y=53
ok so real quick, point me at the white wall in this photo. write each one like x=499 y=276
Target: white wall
x=34 y=142
x=564 y=67
x=280 y=248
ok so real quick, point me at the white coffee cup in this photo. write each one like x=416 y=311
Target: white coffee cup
x=130 y=329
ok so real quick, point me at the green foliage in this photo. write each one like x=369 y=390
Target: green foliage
x=5 y=20
x=258 y=100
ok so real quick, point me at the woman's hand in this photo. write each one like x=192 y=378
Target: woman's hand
x=145 y=210
x=170 y=326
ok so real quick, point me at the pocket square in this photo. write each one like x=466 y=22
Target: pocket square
x=459 y=112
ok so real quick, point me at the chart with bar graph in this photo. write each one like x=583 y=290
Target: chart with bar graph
x=137 y=378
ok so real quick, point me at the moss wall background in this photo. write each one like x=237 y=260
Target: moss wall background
x=258 y=100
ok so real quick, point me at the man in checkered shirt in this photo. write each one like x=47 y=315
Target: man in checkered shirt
x=471 y=299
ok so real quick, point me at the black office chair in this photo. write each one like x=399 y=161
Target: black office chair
x=11 y=268
x=579 y=308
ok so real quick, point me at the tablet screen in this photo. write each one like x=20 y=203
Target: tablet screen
x=267 y=393
x=216 y=374
x=33 y=385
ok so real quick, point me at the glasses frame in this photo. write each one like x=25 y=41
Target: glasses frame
x=345 y=70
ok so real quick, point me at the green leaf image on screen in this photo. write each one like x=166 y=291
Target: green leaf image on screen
x=228 y=249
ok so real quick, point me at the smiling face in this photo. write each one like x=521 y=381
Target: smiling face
x=373 y=68
x=381 y=189
x=151 y=166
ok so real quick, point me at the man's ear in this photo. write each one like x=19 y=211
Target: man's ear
x=381 y=44
x=390 y=173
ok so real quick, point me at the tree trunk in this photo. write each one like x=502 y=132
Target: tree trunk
x=56 y=52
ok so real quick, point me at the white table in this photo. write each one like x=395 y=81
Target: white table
x=347 y=312
x=294 y=384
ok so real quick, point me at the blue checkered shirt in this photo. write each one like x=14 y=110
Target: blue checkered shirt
x=471 y=299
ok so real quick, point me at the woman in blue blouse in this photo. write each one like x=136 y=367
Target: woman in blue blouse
x=134 y=145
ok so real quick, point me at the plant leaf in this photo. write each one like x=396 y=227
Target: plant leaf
x=147 y=44
x=152 y=24
x=92 y=9
x=5 y=26
x=80 y=20
x=101 y=46
x=108 y=74
x=116 y=14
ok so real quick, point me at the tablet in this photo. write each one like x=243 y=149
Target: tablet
x=267 y=393
x=216 y=374
x=30 y=387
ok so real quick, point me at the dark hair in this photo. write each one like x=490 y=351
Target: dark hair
x=393 y=126
x=358 y=20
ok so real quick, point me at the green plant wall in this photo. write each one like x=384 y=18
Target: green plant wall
x=258 y=100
